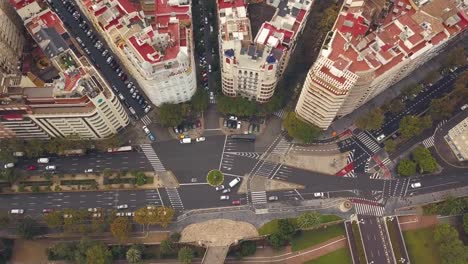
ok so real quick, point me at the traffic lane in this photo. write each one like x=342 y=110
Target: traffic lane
x=106 y=70
x=372 y=239
x=205 y=196
x=440 y=182
x=237 y=165
x=352 y=241
x=193 y=160
x=96 y=161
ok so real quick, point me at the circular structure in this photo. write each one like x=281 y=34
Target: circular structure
x=215 y=178
x=345 y=206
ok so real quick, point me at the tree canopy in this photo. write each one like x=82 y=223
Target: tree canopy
x=299 y=129
x=215 y=178
x=411 y=126
x=237 y=106
x=185 y=255
x=407 y=168
x=121 y=228
x=98 y=254
x=424 y=159
x=200 y=100
x=451 y=248
x=390 y=145
x=372 y=120
x=28 y=228
x=172 y=114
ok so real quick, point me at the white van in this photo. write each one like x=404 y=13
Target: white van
x=234 y=182
x=18 y=154
x=43 y=160
x=50 y=167
x=16 y=211
x=185 y=141
x=9 y=165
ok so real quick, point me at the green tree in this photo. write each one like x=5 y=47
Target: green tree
x=133 y=255
x=406 y=168
x=411 y=90
x=81 y=249
x=200 y=100
x=451 y=248
x=54 y=219
x=171 y=114
x=395 y=106
x=4 y=220
x=424 y=159
x=390 y=145
x=441 y=108
x=8 y=175
x=98 y=254
x=411 y=126
x=175 y=237
x=286 y=228
x=372 y=120
x=276 y=240
x=299 y=129
x=309 y=220
x=28 y=228
x=238 y=106
x=63 y=250
x=76 y=221
x=185 y=255
x=140 y=177
x=328 y=18
x=456 y=57
x=215 y=178
x=247 y=248
x=167 y=248
x=121 y=228
x=275 y=104
x=465 y=223
x=107 y=172
x=35 y=188
x=34 y=148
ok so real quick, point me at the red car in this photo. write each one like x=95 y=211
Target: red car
x=31 y=167
x=236 y=202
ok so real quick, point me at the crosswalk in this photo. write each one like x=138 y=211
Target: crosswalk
x=259 y=197
x=428 y=142
x=376 y=175
x=152 y=157
x=252 y=155
x=386 y=161
x=371 y=144
x=282 y=147
x=266 y=169
x=349 y=160
x=152 y=197
x=174 y=198
x=369 y=209
x=280 y=113
x=146 y=120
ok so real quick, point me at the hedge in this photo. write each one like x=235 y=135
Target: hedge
x=36 y=183
x=77 y=182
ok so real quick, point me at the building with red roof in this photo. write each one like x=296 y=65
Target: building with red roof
x=158 y=55
x=252 y=64
x=408 y=34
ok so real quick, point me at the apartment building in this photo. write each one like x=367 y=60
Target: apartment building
x=159 y=56
x=251 y=65
x=79 y=102
x=11 y=45
x=368 y=51
x=457 y=139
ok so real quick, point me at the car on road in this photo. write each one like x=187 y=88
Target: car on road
x=416 y=185
x=185 y=140
x=227 y=190
x=151 y=137
x=43 y=160
x=273 y=198
x=50 y=167
x=211 y=96
x=31 y=168
x=224 y=197
x=96 y=215
x=200 y=139
x=88 y=170
x=147 y=108
x=122 y=206
x=147 y=131
x=219 y=188
x=120 y=214
x=234 y=182
x=130 y=214
x=9 y=165
x=47 y=210
x=236 y=202
x=18 y=154
x=464 y=107
x=92 y=209
x=381 y=137
x=318 y=194
x=17 y=211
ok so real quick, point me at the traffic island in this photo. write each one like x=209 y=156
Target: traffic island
x=264 y=184
x=215 y=178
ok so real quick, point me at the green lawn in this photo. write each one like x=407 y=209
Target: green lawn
x=309 y=238
x=340 y=256
x=272 y=226
x=421 y=246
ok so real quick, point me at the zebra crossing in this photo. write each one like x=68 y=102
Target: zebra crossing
x=280 y=113
x=376 y=175
x=152 y=197
x=252 y=155
x=349 y=160
x=369 y=209
x=146 y=120
x=368 y=142
x=152 y=157
x=386 y=161
x=428 y=142
x=174 y=198
x=258 y=197
x=266 y=169
x=282 y=147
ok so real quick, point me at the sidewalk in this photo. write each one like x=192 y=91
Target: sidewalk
x=417 y=222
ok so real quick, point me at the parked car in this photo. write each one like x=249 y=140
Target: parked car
x=47 y=210
x=122 y=206
x=9 y=165
x=92 y=209
x=88 y=171
x=227 y=190
x=224 y=197
x=219 y=188
x=318 y=194
x=31 y=168
x=17 y=211
x=200 y=139
x=273 y=198
x=416 y=185
x=151 y=137
x=236 y=202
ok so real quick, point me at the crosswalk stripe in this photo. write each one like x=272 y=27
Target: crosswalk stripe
x=152 y=157
x=369 y=209
x=280 y=113
x=386 y=161
x=258 y=197
x=368 y=142
x=252 y=155
x=266 y=169
x=146 y=120
x=174 y=198
x=282 y=147
x=428 y=142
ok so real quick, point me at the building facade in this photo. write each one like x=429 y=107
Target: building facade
x=79 y=102
x=159 y=56
x=457 y=139
x=362 y=56
x=251 y=65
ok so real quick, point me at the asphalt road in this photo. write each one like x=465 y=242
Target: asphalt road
x=372 y=233
x=109 y=74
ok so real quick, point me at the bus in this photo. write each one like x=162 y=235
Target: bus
x=243 y=137
x=121 y=149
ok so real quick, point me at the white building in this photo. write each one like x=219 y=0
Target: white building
x=251 y=65
x=356 y=63
x=159 y=56
x=457 y=139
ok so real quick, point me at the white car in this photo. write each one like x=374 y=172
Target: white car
x=200 y=139
x=122 y=206
x=120 y=214
x=211 y=96
x=219 y=188
x=147 y=109
x=273 y=198
x=464 y=107
x=88 y=171
x=9 y=165
x=16 y=211
x=147 y=131
x=97 y=215
x=130 y=214
x=416 y=185
x=381 y=137
x=224 y=197
x=318 y=194
x=238 y=124
x=227 y=190
x=92 y=209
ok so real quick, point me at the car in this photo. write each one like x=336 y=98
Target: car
x=138 y=96
x=122 y=206
x=50 y=167
x=232 y=117
x=225 y=123
x=130 y=214
x=140 y=102
x=151 y=137
x=47 y=210
x=200 y=139
x=318 y=194
x=105 y=52
x=198 y=123
x=132 y=90
x=219 y=188
x=273 y=198
x=176 y=130
x=416 y=185
x=224 y=197
x=87 y=51
x=31 y=168
x=227 y=190
x=115 y=88
x=120 y=74
x=238 y=126
x=17 y=211
x=96 y=215
x=120 y=214
x=134 y=95
x=381 y=137
x=211 y=95
x=147 y=109
x=121 y=97
x=67 y=215
x=92 y=209
x=88 y=171
x=464 y=107
x=236 y=202
x=129 y=85
x=9 y=165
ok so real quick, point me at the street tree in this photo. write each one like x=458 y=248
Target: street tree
x=98 y=224
x=465 y=223
x=276 y=240
x=63 y=251
x=412 y=90
x=274 y=104
x=248 y=248
x=424 y=159
x=34 y=148
x=167 y=248
x=372 y=120
x=133 y=255
x=406 y=168
x=76 y=221
x=200 y=100
x=451 y=248
x=54 y=219
x=28 y=228
x=390 y=145
x=455 y=57
x=441 y=108
x=309 y=220
x=185 y=255
x=299 y=129
x=121 y=228
x=171 y=114
x=175 y=237
x=8 y=175
x=4 y=220
x=238 y=106
x=81 y=249
x=98 y=254
x=411 y=126
x=395 y=106
x=286 y=228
